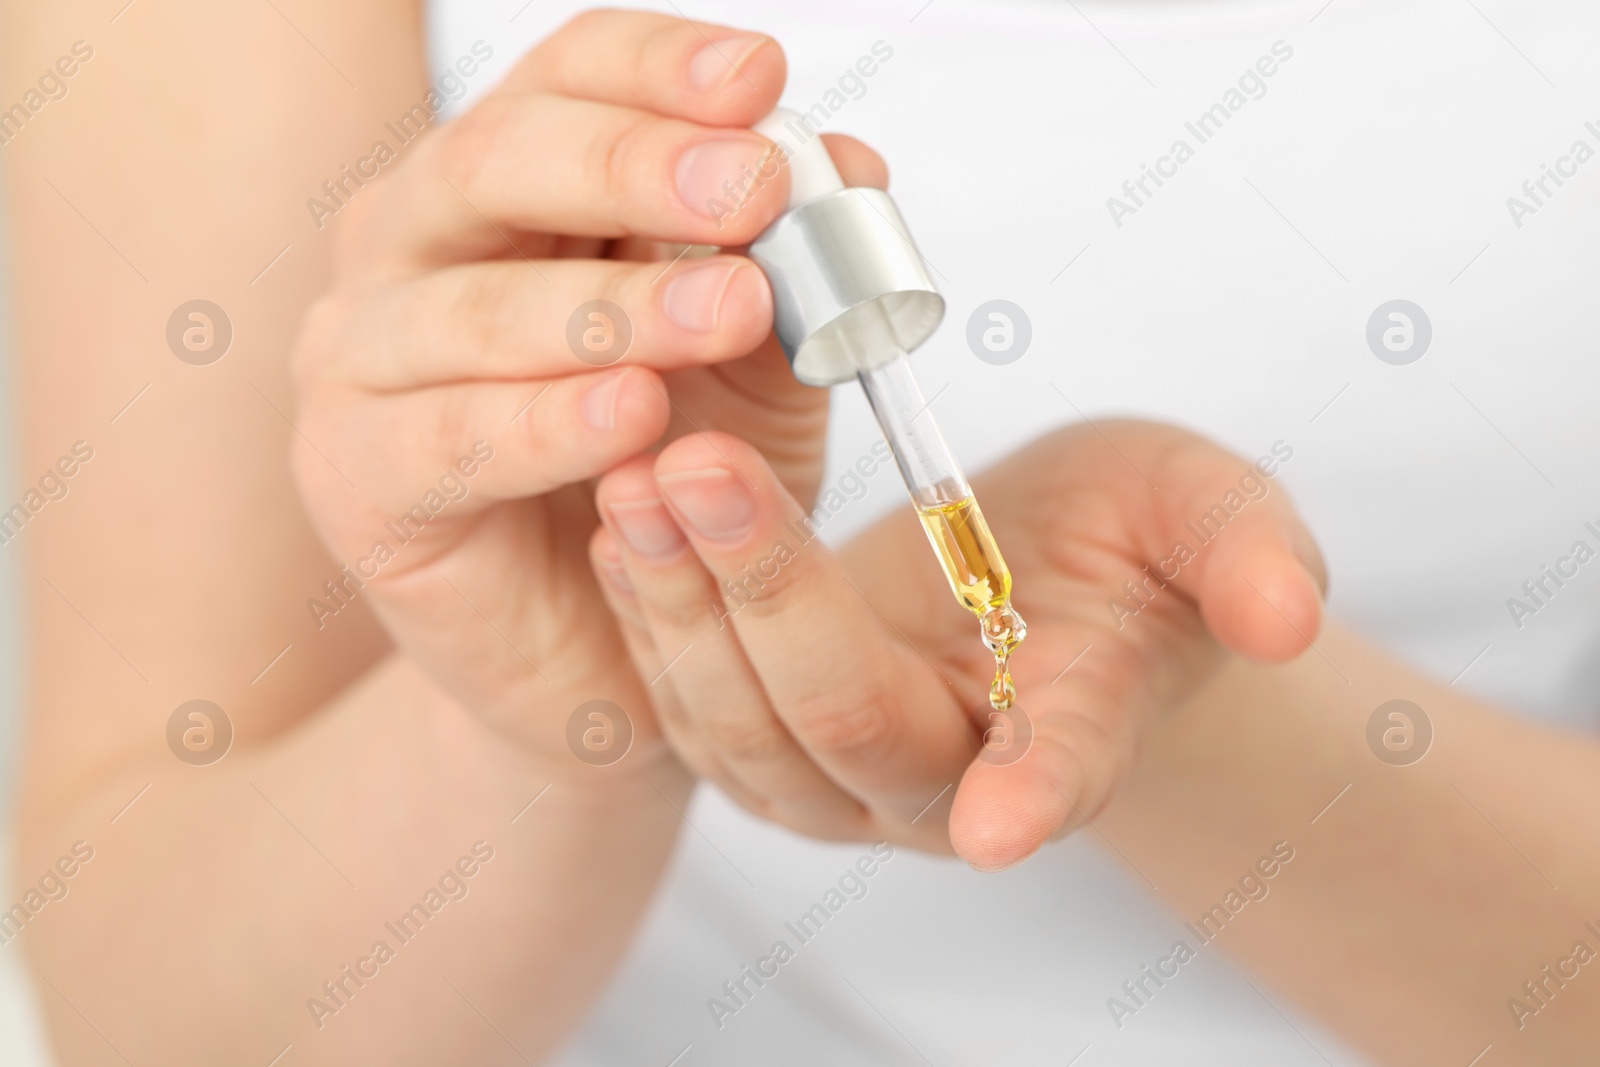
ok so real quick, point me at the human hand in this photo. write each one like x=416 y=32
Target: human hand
x=849 y=693
x=446 y=417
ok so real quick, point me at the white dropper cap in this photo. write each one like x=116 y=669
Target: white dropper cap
x=811 y=170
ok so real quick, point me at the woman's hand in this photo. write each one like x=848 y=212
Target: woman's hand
x=844 y=697
x=456 y=387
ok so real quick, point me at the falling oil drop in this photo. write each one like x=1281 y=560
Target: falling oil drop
x=1002 y=694
x=1003 y=630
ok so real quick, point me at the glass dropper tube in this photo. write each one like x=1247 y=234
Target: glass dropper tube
x=950 y=515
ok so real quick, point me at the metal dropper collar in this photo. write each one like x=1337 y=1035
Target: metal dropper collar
x=848 y=283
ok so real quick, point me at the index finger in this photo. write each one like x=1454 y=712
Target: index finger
x=517 y=170
x=711 y=74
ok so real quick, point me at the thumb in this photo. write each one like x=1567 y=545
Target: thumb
x=1223 y=532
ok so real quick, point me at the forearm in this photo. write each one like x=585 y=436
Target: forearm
x=176 y=165
x=234 y=892
x=1424 y=897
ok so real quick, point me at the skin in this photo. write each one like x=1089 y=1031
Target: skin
x=389 y=741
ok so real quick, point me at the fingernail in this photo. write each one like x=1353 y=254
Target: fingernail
x=715 y=501
x=718 y=63
x=693 y=299
x=648 y=529
x=707 y=166
x=599 y=404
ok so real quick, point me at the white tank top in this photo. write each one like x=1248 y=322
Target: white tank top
x=1206 y=211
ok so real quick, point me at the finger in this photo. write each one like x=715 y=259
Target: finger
x=553 y=164
x=868 y=709
x=857 y=164
x=530 y=438
x=1259 y=598
x=606 y=561
x=1230 y=540
x=694 y=70
x=1078 y=748
x=705 y=666
x=513 y=320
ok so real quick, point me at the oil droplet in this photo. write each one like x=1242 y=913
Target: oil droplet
x=1002 y=694
x=1003 y=630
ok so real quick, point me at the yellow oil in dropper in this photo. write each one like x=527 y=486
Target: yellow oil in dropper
x=981 y=582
